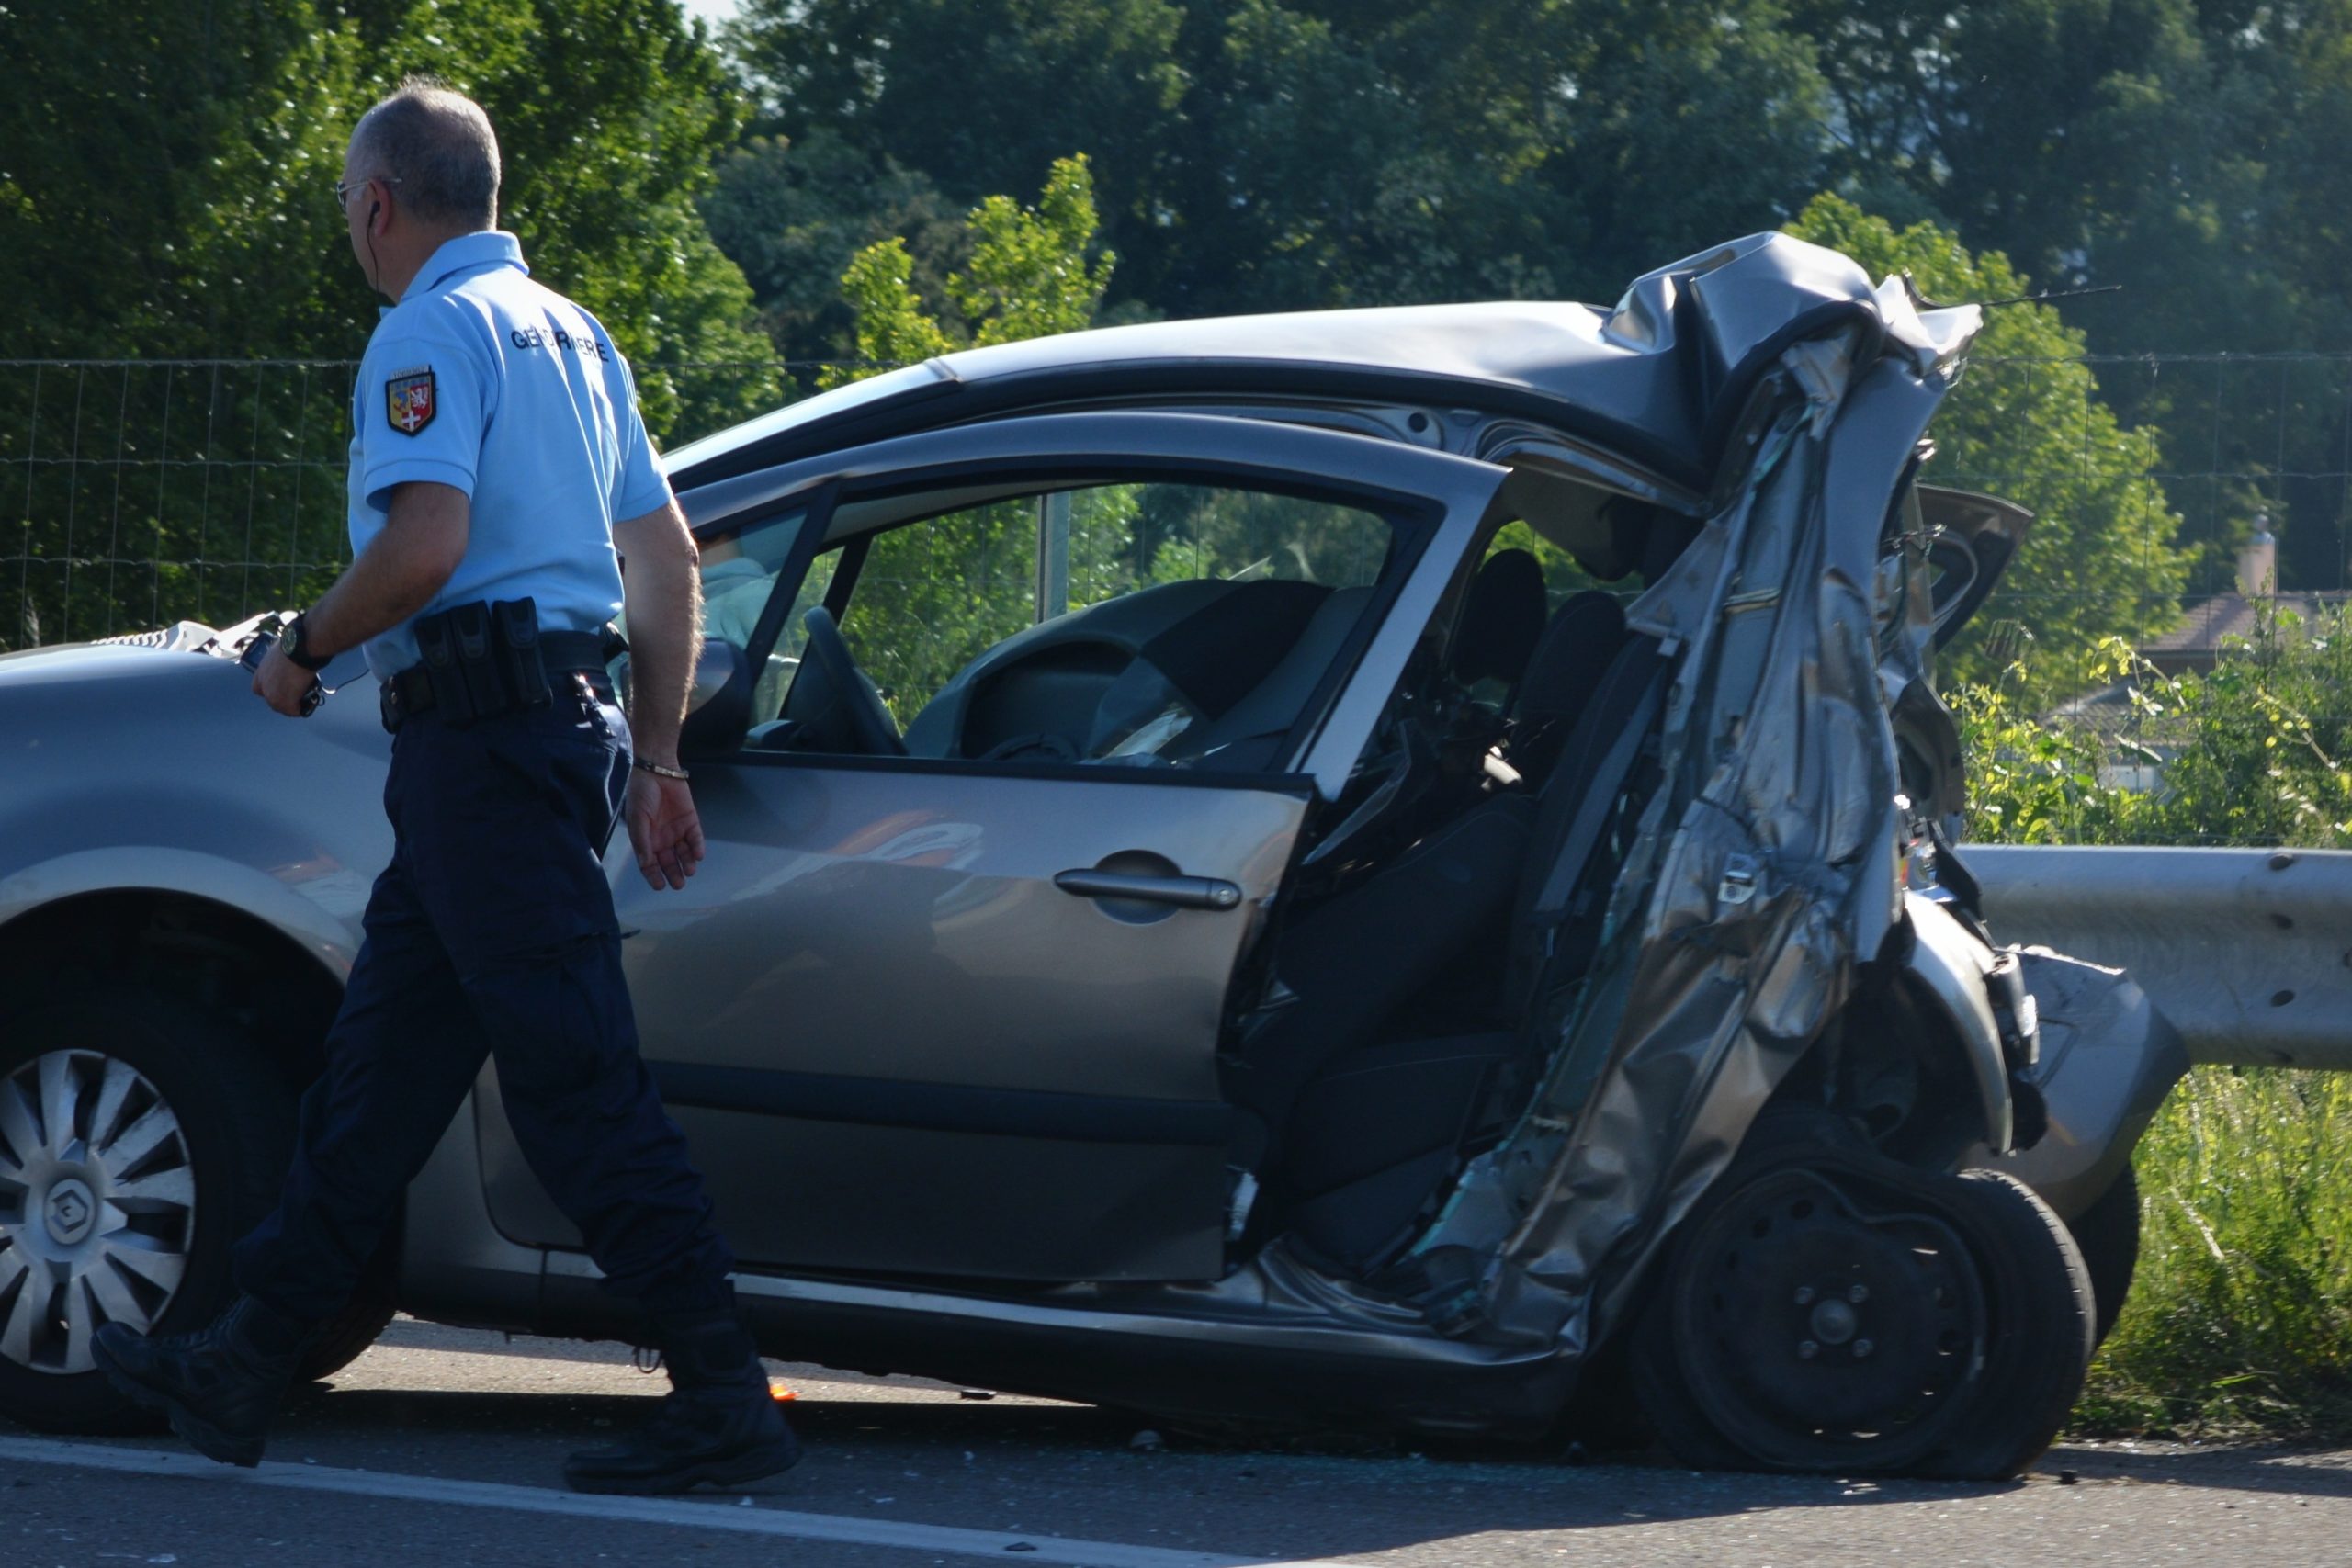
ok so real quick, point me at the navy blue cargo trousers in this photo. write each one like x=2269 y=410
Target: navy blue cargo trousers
x=492 y=935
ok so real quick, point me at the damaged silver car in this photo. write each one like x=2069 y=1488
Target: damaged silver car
x=1391 y=868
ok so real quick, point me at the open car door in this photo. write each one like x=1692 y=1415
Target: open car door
x=948 y=1002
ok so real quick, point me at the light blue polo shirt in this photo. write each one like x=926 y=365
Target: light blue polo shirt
x=484 y=381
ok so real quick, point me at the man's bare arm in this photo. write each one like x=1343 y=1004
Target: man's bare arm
x=417 y=552
x=422 y=540
x=663 y=591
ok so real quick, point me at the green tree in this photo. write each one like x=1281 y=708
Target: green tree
x=933 y=595
x=2026 y=423
x=1029 y=276
x=1262 y=154
x=793 y=211
x=167 y=172
x=164 y=195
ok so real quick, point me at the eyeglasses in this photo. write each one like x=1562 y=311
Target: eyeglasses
x=343 y=190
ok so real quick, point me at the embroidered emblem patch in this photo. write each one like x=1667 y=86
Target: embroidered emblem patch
x=408 y=402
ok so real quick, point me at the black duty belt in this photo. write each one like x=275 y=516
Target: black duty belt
x=409 y=692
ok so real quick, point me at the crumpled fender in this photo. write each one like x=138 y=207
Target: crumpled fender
x=1952 y=967
x=2108 y=1058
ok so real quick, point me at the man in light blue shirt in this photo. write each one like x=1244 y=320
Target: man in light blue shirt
x=485 y=381
x=501 y=477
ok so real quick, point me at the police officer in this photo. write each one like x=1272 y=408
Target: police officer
x=500 y=480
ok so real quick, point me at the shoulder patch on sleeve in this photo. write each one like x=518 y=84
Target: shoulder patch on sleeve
x=409 y=403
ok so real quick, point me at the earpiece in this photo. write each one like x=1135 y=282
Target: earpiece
x=373 y=209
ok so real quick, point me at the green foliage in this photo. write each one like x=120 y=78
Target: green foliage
x=1028 y=276
x=2257 y=751
x=2027 y=424
x=892 y=327
x=1259 y=154
x=2241 y=1319
x=166 y=194
x=1274 y=154
x=169 y=171
x=792 y=213
x=931 y=596
x=2031 y=781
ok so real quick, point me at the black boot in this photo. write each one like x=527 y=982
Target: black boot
x=717 y=1423
x=220 y=1386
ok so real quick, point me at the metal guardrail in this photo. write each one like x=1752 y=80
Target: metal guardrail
x=2248 y=952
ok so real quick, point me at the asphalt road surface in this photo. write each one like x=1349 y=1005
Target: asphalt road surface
x=441 y=1448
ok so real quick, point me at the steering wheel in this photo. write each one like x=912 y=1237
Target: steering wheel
x=876 y=733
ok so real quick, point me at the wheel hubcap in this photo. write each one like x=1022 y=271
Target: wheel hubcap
x=98 y=1206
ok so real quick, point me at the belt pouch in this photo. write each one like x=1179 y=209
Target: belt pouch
x=522 y=664
x=436 y=647
x=477 y=665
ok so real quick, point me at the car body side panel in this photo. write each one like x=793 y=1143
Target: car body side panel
x=197 y=811
x=896 y=1045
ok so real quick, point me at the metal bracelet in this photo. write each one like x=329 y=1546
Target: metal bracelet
x=659 y=772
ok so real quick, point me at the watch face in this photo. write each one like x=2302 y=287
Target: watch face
x=290 y=641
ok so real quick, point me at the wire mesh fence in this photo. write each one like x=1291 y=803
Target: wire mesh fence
x=148 y=491
x=142 y=492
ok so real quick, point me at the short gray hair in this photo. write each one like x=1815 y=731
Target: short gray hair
x=438 y=145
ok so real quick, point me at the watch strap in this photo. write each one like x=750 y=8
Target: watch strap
x=291 y=642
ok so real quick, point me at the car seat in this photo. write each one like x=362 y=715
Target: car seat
x=1581 y=638
x=1358 y=1133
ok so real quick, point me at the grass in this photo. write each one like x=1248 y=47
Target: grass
x=2240 y=1323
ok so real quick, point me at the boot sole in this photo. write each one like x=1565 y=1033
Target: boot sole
x=734 y=1470
x=193 y=1429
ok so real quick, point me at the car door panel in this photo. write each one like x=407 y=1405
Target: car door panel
x=905 y=1012
x=897 y=1044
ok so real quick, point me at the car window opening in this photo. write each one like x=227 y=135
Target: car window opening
x=1367 y=1072
x=1139 y=625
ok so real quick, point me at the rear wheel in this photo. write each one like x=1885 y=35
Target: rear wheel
x=1831 y=1311
x=139 y=1139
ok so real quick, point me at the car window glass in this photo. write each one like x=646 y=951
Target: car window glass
x=739 y=571
x=775 y=677
x=1148 y=624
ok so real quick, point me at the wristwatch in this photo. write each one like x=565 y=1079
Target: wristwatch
x=290 y=642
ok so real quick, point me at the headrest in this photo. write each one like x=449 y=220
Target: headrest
x=1502 y=619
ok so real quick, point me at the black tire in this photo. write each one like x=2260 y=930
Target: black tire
x=2107 y=1234
x=1607 y=1414
x=1824 y=1310
x=2039 y=1300
x=235 y=1132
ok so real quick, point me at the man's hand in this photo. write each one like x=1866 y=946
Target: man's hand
x=663 y=828
x=283 y=684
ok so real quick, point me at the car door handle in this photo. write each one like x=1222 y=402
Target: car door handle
x=1185 y=892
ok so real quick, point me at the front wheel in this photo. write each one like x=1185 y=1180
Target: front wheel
x=1830 y=1312
x=139 y=1139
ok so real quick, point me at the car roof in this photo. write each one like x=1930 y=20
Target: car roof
x=1658 y=377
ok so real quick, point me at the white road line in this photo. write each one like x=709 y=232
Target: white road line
x=756 y=1520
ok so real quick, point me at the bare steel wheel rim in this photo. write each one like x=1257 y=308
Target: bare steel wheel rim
x=98 y=1206
x=1826 y=1326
